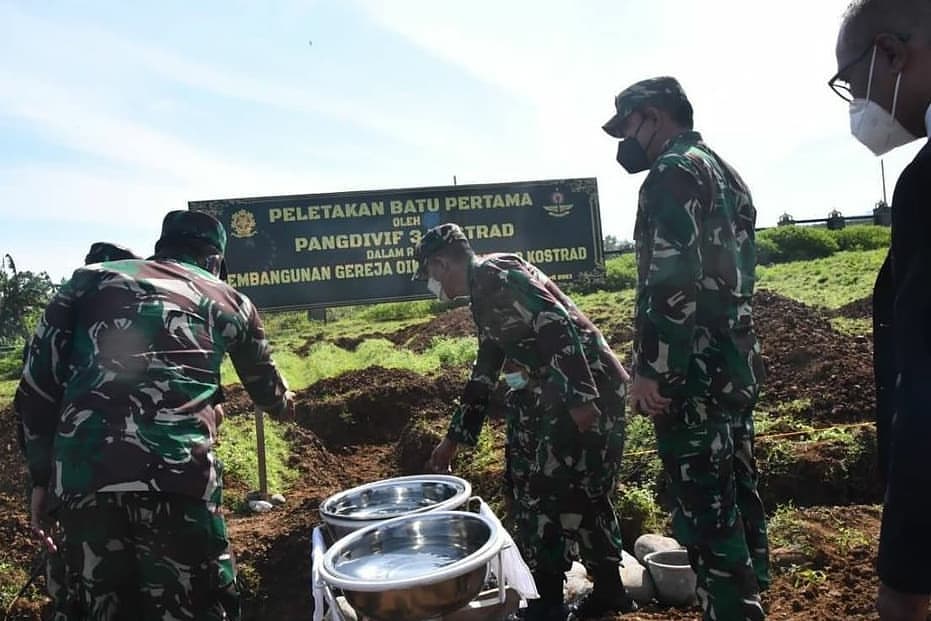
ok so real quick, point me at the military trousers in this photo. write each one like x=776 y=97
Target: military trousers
x=707 y=455
x=147 y=556
x=561 y=481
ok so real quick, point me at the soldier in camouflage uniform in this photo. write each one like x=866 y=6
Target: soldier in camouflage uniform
x=574 y=432
x=116 y=400
x=55 y=574
x=697 y=365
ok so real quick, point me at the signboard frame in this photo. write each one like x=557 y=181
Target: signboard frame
x=585 y=185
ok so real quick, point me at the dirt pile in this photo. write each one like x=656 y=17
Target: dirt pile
x=807 y=473
x=807 y=359
x=858 y=309
x=373 y=405
x=419 y=337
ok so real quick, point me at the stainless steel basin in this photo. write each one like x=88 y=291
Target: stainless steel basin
x=375 y=502
x=414 y=567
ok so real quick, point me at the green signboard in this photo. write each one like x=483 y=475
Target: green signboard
x=319 y=250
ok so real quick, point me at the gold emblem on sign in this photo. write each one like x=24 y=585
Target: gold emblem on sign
x=559 y=208
x=242 y=224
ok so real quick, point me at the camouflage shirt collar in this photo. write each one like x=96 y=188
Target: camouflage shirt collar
x=688 y=137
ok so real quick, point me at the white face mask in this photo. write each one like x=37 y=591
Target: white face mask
x=516 y=381
x=873 y=126
x=436 y=288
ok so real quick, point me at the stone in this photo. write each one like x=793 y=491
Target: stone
x=277 y=499
x=637 y=580
x=260 y=506
x=577 y=583
x=653 y=543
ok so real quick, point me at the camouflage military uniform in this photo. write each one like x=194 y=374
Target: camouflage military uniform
x=565 y=477
x=56 y=580
x=117 y=404
x=694 y=335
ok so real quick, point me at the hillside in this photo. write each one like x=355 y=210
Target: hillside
x=376 y=386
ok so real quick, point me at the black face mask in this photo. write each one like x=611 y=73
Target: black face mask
x=631 y=155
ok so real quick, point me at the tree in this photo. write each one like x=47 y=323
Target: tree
x=613 y=244
x=23 y=295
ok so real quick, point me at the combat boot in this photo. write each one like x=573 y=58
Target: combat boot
x=551 y=605
x=608 y=596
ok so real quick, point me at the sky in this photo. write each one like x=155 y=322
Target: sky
x=114 y=113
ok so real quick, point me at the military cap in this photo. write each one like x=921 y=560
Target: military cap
x=105 y=251
x=192 y=226
x=433 y=241
x=664 y=90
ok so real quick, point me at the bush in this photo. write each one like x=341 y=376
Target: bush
x=862 y=237
x=621 y=273
x=639 y=512
x=800 y=243
x=767 y=252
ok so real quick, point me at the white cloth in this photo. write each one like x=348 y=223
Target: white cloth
x=318 y=549
x=516 y=573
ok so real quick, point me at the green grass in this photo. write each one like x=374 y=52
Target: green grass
x=852 y=327
x=786 y=530
x=830 y=283
x=12 y=579
x=644 y=468
x=325 y=359
x=7 y=390
x=637 y=504
x=237 y=449
x=850 y=539
x=806 y=577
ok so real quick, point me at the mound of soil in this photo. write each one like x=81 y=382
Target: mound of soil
x=419 y=337
x=457 y=322
x=858 y=309
x=807 y=359
x=819 y=473
x=373 y=405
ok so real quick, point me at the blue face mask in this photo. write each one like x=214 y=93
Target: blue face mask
x=516 y=381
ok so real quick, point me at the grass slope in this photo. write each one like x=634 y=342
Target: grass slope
x=830 y=283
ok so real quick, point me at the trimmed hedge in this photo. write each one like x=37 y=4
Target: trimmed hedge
x=863 y=237
x=784 y=244
x=800 y=243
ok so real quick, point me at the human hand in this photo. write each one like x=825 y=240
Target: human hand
x=644 y=397
x=288 y=412
x=442 y=456
x=39 y=517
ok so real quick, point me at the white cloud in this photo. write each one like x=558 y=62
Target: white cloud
x=756 y=73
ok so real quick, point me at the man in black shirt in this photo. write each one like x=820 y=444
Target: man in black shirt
x=884 y=71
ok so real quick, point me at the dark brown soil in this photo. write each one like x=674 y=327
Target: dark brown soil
x=807 y=359
x=858 y=309
x=419 y=337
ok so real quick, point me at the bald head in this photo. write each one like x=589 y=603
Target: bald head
x=884 y=47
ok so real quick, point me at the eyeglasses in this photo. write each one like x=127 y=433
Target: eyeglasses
x=841 y=85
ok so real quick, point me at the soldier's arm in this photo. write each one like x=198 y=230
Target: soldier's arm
x=558 y=340
x=469 y=416
x=667 y=300
x=39 y=394
x=251 y=357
